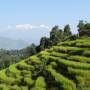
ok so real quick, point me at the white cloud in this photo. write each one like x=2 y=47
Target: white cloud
x=44 y=26
x=24 y=26
x=29 y=26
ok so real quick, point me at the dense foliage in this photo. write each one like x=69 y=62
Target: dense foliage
x=83 y=25
x=65 y=66
x=8 y=57
x=84 y=28
x=56 y=35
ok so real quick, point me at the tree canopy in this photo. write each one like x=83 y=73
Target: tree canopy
x=83 y=25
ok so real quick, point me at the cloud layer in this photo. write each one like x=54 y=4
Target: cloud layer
x=29 y=26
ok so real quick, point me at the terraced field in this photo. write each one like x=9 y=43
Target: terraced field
x=62 y=67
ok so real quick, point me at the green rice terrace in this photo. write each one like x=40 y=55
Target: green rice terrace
x=62 y=67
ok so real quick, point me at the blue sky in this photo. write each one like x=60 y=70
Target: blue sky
x=31 y=19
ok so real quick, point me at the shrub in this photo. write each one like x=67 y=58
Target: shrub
x=53 y=64
x=5 y=79
x=3 y=87
x=86 y=53
x=24 y=88
x=79 y=72
x=23 y=66
x=80 y=82
x=63 y=81
x=15 y=87
x=69 y=63
x=40 y=84
x=79 y=58
x=13 y=69
x=26 y=73
x=28 y=81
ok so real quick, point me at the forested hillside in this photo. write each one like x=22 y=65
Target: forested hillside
x=8 y=57
x=61 y=62
x=44 y=45
x=65 y=66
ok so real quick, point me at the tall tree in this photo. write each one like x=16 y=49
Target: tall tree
x=83 y=28
x=30 y=50
x=87 y=26
x=81 y=25
x=33 y=49
x=55 y=35
x=44 y=43
x=67 y=31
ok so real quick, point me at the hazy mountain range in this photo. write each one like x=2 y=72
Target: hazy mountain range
x=30 y=36
x=8 y=43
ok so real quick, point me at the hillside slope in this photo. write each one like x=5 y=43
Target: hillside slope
x=62 y=67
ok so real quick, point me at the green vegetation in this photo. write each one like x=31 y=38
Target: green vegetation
x=8 y=57
x=66 y=83
x=65 y=66
x=40 y=84
x=84 y=28
x=61 y=62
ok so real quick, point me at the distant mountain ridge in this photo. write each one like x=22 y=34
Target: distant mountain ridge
x=8 y=43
